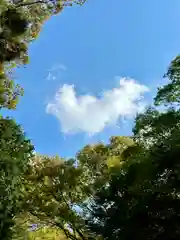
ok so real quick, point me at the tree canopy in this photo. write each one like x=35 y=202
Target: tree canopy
x=15 y=153
x=125 y=189
x=142 y=199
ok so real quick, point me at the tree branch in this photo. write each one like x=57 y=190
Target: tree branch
x=71 y=222
x=30 y=3
x=80 y=2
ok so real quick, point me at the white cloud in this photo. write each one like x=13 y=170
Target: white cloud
x=90 y=114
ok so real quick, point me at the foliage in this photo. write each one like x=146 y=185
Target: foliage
x=9 y=92
x=170 y=93
x=30 y=228
x=15 y=153
x=51 y=192
x=46 y=233
x=56 y=190
x=97 y=161
x=141 y=200
x=20 y=24
x=13 y=24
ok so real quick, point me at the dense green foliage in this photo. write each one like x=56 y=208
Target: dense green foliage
x=170 y=93
x=15 y=154
x=142 y=199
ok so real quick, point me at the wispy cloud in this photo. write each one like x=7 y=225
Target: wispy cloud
x=58 y=67
x=90 y=114
x=55 y=72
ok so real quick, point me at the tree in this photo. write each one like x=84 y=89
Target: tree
x=141 y=201
x=56 y=190
x=20 y=23
x=99 y=160
x=12 y=48
x=170 y=93
x=15 y=154
x=52 y=193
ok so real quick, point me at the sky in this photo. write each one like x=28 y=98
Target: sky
x=92 y=69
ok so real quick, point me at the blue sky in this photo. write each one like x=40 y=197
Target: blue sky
x=89 y=47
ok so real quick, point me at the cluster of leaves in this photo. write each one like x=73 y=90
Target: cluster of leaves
x=58 y=185
x=12 y=48
x=170 y=93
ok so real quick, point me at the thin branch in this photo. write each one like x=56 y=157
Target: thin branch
x=30 y=3
x=80 y=2
x=72 y=222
